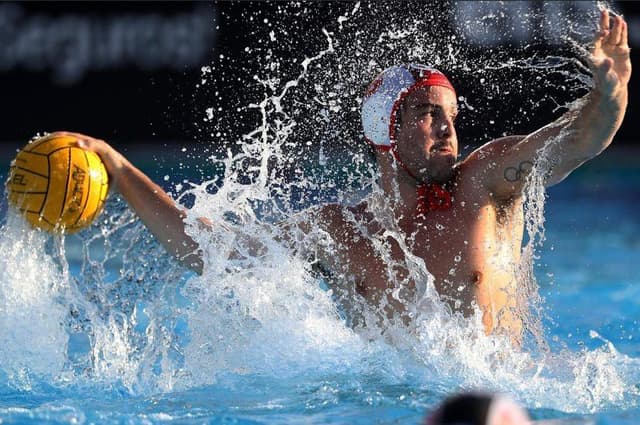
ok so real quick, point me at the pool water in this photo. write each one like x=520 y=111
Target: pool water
x=102 y=327
x=118 y=334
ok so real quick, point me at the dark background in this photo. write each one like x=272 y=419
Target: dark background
x=64 y=65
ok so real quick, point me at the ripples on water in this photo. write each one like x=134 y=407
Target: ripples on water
x=108 y=312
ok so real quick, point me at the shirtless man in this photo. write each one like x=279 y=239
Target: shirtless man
x=464 y=219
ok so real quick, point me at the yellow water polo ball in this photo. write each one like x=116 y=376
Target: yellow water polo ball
x=57 y=185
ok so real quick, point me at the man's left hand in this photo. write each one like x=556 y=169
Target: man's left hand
x=610 y=58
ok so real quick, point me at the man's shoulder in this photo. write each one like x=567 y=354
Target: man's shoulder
x=494 y=148
x=345 y=220
x=482 y=160
x=475 y=173
x=336 y=212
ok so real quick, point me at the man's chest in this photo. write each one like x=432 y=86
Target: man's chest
x=458 y=248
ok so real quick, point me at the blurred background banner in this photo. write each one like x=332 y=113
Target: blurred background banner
x=110 y=69
x=130 y=71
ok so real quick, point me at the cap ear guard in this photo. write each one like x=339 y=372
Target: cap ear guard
x=379 y=101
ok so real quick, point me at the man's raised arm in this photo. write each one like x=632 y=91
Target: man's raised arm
x=149 y=201
x=582 y=132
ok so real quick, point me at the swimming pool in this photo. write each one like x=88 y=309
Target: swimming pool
x=103 y=328
x=144 y=342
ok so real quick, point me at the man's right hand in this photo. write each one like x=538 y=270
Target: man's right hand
x=155 y=208
x=113 y=161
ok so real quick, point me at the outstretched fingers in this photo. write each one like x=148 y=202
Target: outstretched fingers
x=611 y=39
x=603 y=29
x=604 y=20
x=625 y=35
x=610 y=54
x=615 y=36
x=612 y=31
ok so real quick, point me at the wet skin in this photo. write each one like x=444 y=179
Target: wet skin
x=472 y=250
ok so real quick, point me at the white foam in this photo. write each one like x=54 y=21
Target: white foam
x=32 y=318
x=152 y=328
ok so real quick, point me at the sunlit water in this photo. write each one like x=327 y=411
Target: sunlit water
x=103 y=327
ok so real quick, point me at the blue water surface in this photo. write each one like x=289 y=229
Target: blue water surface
x=587 y=272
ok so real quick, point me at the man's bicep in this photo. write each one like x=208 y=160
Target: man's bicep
x=502 y=165
x=510 y=161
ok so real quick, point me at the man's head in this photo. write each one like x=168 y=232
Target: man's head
x=409 y=110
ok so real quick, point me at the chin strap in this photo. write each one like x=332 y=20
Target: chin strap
x=432 y=197
x=394 y=151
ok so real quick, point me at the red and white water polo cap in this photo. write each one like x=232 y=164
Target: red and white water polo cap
x=385 y=95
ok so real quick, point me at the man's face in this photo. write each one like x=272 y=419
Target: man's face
x=426 y=140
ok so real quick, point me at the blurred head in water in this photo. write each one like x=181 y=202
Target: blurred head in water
x=478 y=409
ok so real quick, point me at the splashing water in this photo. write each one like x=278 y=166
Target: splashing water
x=124 y=315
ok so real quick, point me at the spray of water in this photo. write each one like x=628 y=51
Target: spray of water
x=122 y=314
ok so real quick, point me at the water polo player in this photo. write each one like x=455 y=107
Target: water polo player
x=463 y=218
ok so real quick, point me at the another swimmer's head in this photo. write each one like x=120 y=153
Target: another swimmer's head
x=409 y=111
x=478 y=409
